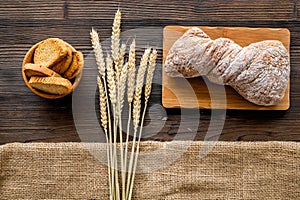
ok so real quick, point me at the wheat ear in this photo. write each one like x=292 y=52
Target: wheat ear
x=119 y=64
x=103 y=107
x=121 y=57
x=98 y=52
x=111 y=80
x=136 y=110
x=115 y=37
x=148 y=87
x=131 y=72
x=151 y=68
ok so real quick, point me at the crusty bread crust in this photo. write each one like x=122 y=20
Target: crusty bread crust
x=51 y=85
x=264 y=80
x=258 y=72
x=31 y=69
x=64 y=64
x=50 y=52
x=76 y=65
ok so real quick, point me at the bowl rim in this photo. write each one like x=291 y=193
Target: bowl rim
x=28 y=59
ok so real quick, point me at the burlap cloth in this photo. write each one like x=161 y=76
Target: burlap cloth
x=231 y=170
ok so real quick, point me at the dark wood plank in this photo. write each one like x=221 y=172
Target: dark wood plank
x=34 y=9
x=25 y=117
x=197 y=10
x=240 y=10
x=16 y=34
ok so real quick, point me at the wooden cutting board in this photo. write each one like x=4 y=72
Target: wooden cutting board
x=201 y=93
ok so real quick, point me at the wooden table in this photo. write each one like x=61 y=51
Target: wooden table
x=25 y=117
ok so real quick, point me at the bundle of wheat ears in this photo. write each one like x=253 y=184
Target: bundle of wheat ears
x=115 y=77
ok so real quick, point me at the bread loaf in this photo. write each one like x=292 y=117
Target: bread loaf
x=258 y=72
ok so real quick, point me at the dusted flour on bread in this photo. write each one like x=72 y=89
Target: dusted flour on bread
x=258 y=72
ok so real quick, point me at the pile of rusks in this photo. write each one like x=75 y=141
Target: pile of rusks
x=55 y=64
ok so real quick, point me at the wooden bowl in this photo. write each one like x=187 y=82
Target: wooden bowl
x=29 y=59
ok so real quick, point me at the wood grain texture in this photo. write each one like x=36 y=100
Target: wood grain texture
x=155 y=9
x=31 y=9
x=191 y=9
x=200 y=92
x=25 y=117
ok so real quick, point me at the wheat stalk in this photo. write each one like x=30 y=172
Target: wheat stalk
x=130 y=92
x=104 y=105
x=139 y=87
x=115 y=51
x=103 y=113
x=115 y=153
x=122 y=86
x=113 y=99
x=114 y=77
x=121 y=93
x=130 y=88
x=136 y=110
x=148 y=87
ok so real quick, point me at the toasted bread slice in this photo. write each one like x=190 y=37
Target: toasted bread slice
x=65 y=63
x=31 y=69
x=76 y=65
x=51 y=85
x=50 y=52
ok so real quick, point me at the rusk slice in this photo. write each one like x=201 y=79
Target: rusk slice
x=31 y=69
x=76 y=65
x=51 y=85
x=64 y=64
x=50 y=52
